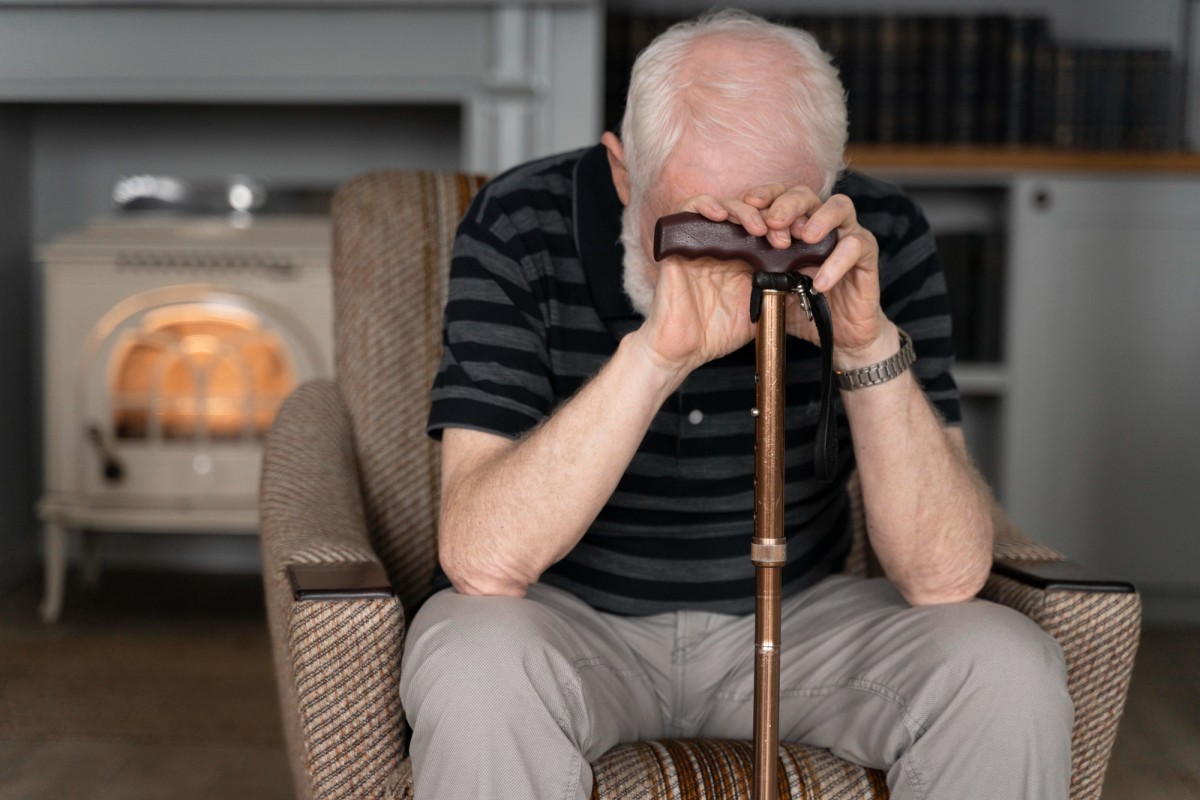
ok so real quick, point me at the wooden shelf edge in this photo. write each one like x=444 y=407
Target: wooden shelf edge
x=1016 y=159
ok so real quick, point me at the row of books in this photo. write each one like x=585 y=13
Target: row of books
x=973 y=263
x=967 y=79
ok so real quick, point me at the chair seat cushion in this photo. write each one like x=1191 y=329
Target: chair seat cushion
x=712 y=769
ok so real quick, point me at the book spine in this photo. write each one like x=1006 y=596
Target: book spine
x=617 y=62
x=989 y=297
x=863 y=65
x=935 y=128
x=1066 y=90
x=995 y=36
x=1152 y=124
x=1028 y=34
x=964 y=81
x=1111 y=97
x=954 y=253
x=887 y=78
x=911 y=91
x=1043 y=91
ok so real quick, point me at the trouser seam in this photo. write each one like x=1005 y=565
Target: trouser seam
x=911 y=724
x=915 y=728
x=599 y=663
x=574 y=687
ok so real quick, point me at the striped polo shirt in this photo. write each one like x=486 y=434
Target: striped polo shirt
x=536 y=307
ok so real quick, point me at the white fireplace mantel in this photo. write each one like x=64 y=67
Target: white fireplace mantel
x=526 y=73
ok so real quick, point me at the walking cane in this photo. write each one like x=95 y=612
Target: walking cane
x=693 y=236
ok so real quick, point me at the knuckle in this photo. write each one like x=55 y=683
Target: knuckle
x=869 y=244
x=767 y=191
x=842 y=203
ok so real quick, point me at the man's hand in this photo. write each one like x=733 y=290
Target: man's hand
x=849 y=278
x=701 y=312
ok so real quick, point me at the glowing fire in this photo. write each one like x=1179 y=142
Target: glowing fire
x=199 y=370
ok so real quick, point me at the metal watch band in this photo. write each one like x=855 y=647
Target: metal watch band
x=882 y=372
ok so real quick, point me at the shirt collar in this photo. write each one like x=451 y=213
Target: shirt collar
x=598 y=240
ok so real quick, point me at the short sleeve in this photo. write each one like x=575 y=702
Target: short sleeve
x=494 y=372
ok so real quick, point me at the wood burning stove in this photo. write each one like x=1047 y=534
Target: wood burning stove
x=170 y=343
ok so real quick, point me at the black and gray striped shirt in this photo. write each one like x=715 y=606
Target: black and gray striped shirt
x=536 y=307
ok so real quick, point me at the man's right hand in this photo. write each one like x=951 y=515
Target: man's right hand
x=701 y=311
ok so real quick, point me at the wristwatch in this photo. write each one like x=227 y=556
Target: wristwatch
x=881 y=372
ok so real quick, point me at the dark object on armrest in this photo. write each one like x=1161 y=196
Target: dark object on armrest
x=1059 y=575
x=347 y=580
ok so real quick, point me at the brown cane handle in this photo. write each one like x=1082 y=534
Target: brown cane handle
x=693 y=235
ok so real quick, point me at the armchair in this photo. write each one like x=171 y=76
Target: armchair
x=349 y=501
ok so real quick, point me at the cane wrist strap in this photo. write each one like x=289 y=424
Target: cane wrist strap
x=825 y=451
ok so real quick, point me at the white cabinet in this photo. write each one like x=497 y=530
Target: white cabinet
x=1090 y=426
x=1102 y=440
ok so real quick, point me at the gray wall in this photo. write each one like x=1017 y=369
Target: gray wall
x=79 y=150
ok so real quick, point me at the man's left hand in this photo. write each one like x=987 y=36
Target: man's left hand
x=849 y=278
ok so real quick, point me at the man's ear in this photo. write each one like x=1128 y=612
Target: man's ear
x=616 y=163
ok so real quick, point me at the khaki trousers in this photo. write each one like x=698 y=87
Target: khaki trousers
x=512 y=698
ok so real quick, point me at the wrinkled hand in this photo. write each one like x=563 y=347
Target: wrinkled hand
x=701 y=311
x=849 y=278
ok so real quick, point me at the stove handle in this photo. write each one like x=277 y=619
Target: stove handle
x=114 y=471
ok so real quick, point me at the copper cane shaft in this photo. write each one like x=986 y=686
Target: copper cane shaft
x=690 y=235
x=768 y=549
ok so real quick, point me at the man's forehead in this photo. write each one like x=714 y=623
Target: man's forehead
x=729 y=174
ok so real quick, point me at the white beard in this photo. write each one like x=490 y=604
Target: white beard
x=637 y=264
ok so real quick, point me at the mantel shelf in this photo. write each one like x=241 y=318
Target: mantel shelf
x=972 y=159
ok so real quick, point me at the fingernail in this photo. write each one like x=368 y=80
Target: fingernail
x=821 y=282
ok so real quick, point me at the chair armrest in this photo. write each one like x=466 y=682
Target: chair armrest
x=344 y=652
x=1097 y=622
x=337 y=653
x=349 y=580
x=1058 y=574
x=310 y=497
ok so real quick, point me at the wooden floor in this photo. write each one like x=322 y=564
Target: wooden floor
x=184 y=705
x=115 y=752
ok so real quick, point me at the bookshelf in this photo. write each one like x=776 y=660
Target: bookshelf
x=969 y=162
x=1081 y=412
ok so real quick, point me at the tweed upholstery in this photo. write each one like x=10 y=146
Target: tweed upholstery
x=393 y=232
x=713 y=769
x=349 y=475
x=710 y=769
x=336 y=662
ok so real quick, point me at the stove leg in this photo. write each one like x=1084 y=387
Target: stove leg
x=91 y=559
x=55 y=559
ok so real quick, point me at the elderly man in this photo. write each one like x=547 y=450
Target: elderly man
x=597 y=465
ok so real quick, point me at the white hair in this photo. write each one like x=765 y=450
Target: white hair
x=670 y=95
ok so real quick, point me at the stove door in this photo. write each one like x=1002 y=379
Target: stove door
x=179 y=387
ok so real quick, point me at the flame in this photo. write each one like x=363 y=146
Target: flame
x=199 y=369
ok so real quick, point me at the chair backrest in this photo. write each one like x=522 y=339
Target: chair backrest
x=392 y=236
